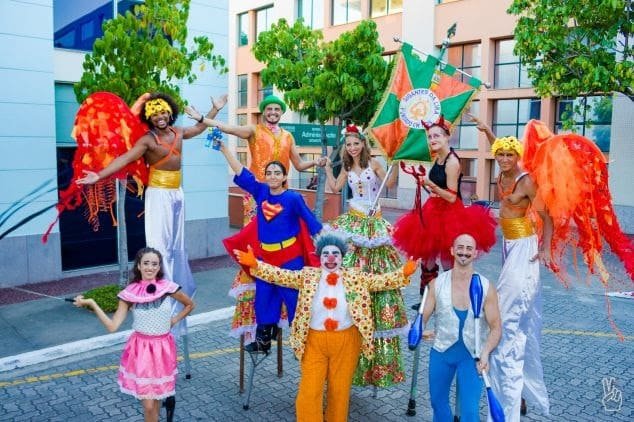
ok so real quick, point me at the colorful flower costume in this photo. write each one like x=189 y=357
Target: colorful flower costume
x=308 y=339
x=372 y=251
x=264 y=146
x=148 y=362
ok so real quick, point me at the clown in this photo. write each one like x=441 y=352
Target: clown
x=333 y=324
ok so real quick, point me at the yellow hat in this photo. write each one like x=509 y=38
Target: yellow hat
x=507 y=143
x=157 y=105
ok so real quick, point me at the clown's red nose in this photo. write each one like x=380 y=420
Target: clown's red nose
x=331 y=259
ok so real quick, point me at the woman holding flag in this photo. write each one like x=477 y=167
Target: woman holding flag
x=371 y=251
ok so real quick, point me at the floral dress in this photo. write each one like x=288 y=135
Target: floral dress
x=371 y=250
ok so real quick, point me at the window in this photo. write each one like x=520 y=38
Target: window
x=242 y=157
x=510 y=116
x=77 y=28
x=66 y=107
x=242 y=91
x=466 y=57
x=344 y=11
x=592 y=116
x=263 y=20
x=312 y=12
x=510 y=72
x=385 y=7
x=305 y=178
x=243 y=29
x=465 y=134
x=263 y=91
x=469 y=169
x=242 y=121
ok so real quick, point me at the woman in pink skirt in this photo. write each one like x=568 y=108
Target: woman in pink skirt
x=148 y=363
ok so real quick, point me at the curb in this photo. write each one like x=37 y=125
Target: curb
x=73 y=348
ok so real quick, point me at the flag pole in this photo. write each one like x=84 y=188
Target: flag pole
x=375 y=202
x=397 y=39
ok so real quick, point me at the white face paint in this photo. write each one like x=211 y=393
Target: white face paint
x=331 y=258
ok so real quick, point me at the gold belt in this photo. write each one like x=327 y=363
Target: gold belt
x=516 y=228
x=168 y=179
x=361 y=214
x=272 y=247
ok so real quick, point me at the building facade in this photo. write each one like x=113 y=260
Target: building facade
x=41 y=58
x=483 y=50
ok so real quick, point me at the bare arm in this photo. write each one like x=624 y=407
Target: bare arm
x=188 y=306
x=482 y=127
x=337 y=184
x=200 y=126
x=117 y=164
x=235 y=165
x=111 y=324
x=380 y=173
x=301 y=165
x=544 y=252
x=244 y=132
x=492 y=316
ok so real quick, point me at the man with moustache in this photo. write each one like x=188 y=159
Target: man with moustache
x=453 y=351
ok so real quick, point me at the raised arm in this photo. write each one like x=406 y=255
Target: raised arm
x=482 y=127
x=117 y=164
x=111 y=324
x=235 y=165
x=244 y=132
x=337 y=184
x=492 y=316
x=200 y=126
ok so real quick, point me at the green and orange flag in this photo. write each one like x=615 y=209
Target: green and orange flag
x=418 y=92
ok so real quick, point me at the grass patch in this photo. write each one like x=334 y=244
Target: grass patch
x=105 y=296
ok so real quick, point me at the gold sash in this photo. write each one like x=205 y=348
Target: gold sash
x=516 y=228
x=166 y=179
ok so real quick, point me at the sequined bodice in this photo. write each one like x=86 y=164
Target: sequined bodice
x=364 y=186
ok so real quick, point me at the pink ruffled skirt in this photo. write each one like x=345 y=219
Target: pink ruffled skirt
x=148 y=366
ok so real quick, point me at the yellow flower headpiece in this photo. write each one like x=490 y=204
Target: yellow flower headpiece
x=507 y=143
x=157 y=105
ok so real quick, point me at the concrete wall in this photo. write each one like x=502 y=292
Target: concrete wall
x=621 y=168
x=29 y=68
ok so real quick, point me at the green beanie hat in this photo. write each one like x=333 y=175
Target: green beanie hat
x=272 y=99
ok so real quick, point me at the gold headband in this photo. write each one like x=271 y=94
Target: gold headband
x=509 y=143
x=157 y=105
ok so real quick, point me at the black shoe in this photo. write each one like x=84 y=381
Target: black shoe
x=523 y=409
x=170 y=404
x=257 y=347
x=264 y=334
x=416 y=307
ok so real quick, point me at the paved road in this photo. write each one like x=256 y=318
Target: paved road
x=579 y=351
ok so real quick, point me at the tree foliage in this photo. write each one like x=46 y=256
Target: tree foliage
x=145 y=51
x=341 y=79
x=574 y=48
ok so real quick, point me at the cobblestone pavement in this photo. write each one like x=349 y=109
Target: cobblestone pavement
x=579 y=351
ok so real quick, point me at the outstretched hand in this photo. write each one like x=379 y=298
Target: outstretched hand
x=192 y=113
x=246 y=258
x=220 y=102
x=410 y=267
x=90 y=177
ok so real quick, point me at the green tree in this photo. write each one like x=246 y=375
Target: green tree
x=343 y=79
x=576 y=48
x=144 y=51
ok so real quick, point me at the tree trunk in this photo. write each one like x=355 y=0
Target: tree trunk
x=122 y=233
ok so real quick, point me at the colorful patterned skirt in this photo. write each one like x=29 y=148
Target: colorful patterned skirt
x=371 y=251
x=148 y=366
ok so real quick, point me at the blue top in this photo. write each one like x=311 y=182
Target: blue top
x=283 y=210
x=462 y=316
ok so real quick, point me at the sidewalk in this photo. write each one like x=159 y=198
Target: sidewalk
x=579 y=351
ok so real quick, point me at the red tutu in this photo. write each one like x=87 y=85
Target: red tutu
x=429 y=234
